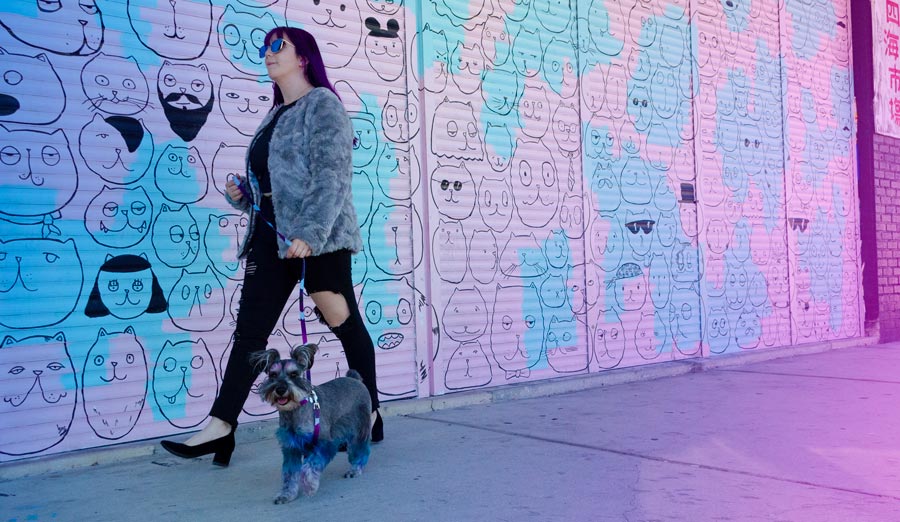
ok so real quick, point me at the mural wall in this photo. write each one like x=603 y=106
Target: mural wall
x=544 y=188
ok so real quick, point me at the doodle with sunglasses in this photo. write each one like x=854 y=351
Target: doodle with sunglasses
x=645 y=225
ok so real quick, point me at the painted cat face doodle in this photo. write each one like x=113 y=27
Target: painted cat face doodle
x=453 y=190
x=499 y=146
x=484 y=256
x=197 y=301
x=222 y=240
x=177 y=30
x=78 y=27
x=29 y=278
x=39 y=167
x=244 y=102
x=331 y=16
x=115 y=85
x=176 y=237
x=388 y=307
x=467 y=67
x=468 y=367
x=118 y=217
x=501 y=89
x=385 y=48
x=517 y=329
x=125 y=287
x=466 y=316
x=449 y=251
x=181 y=382
x=115 y=366
x=455 y=132
x=534 y=110
x=20 y=77
x=241 y=34
x=119 y=149
x=394 y=232
x=186 y=95
x=181 y=174
x=36 y=378
x=495 y=203
x=228 y=162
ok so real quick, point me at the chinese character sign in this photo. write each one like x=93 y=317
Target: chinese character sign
x=886 y=32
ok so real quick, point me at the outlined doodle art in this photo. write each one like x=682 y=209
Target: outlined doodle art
x=748 y=330
x=501 y=89
x=484 y=256
x=221 y=242
x=630 y=287
x=535 y=187
x=180 y=174
x=38 y=168
x=606 y=25
x=528 y=52
x=523 y=257
x=119 y=217
x=241 y=34
x=23 y=76
x=468 y=367
x=115 y=85
x=180 y=30
x=395 y=238
x=644 y=338
x=453 y=190
x=115 y=366
x=175 y=236
x=513 y=10
x=571 y=216
x=560 y=64
x=401 y=164
x=450 y=252
x=553 y=15
x=400 y=116
x=684 y=319
x=125 y=287
x=467 y=67
x=186 y=95
x=467 y=15
x=607 y=242
x=566 y=351
x=363 y=197
x=244 y=102
x=255 y=406
x=385 y=7
x=639 y=226
x=31 y=295
x=534 y=110
x=197 y=301
x=332 y=17
x=185 y=382
x=592 y=86
x=517 y=330
x=660 y=281
x=495 y=202
x=227 y=162
x=39 y=385
x=608 y=340
x=553 y=291
x=500 y=146
x=73 y=39
x=495 y=41
x=584 y=295
x=717 y=329
x=558 y=251
x=465 y=317
x=365 y=148
x=387 y=311
x=119 y=149
x=566 y=130
x=385 y=49
x=436 y=58
x=455 y=132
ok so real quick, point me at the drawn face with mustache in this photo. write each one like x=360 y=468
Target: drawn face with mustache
x=186 y=95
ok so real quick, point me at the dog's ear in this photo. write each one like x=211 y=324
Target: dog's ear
x=304 y=355
x=262 y=361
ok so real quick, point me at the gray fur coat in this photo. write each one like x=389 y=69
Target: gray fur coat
x=311 y=170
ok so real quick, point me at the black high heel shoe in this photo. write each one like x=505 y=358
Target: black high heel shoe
x=377 y=428
x=223 y=447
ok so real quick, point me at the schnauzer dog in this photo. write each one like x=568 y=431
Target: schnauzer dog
x=314 y=421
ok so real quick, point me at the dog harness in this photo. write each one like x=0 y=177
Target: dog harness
x=314 y=400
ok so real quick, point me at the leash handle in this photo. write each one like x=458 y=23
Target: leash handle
x=246 y=194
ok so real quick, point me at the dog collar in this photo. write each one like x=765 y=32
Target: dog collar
x=314 y=400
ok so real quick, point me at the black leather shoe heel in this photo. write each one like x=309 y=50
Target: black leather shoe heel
x=222 y=447
x=377 y=428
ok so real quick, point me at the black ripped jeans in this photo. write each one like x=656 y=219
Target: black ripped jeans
x=268 y=284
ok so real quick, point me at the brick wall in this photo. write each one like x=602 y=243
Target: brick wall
x=886 y=155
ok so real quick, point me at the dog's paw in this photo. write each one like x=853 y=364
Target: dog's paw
x=353 y=473
x=284 y=499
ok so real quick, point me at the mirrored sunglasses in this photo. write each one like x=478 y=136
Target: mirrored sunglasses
x=276 y=46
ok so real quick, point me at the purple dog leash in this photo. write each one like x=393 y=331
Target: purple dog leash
x=240 y=186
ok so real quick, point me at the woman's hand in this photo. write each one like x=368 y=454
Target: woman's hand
x=298 y=249
x=234 y=192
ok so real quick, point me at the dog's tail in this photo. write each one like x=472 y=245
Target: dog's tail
x=353 y=374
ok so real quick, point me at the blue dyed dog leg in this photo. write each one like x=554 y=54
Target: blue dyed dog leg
x=358 y=455
x=291 y=475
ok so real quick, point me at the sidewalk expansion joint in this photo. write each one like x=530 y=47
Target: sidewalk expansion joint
x=832 y=377
x=662 y=460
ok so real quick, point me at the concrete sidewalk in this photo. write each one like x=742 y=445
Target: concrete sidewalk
x=805 y=438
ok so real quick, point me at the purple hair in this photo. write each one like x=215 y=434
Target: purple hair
x=306 y=47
